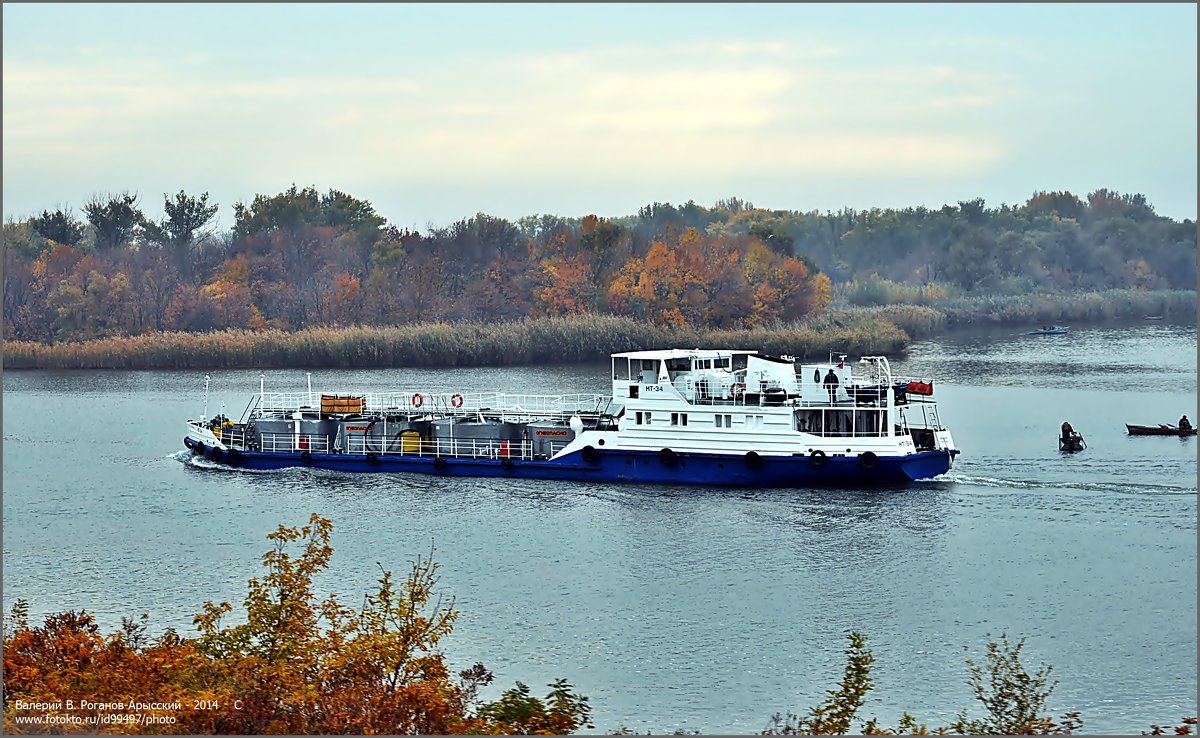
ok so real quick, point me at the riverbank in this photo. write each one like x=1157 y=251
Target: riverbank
x=886 y=330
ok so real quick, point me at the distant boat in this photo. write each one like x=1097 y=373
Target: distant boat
x=1162 y=429
x=1152 y=317
x=1071 y=443
x=1050 y=330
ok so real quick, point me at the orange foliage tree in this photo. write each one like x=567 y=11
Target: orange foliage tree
x=566 y=286
x=712 y=279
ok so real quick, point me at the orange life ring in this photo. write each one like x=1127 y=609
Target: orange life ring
x=456 y=399
x=737 y=389
x=418 y=399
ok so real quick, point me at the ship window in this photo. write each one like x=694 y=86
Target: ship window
x=638 y=417
x=723 y=421
x=678 y=418
x=647 y=417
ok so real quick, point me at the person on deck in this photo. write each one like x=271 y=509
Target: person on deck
x=831 y=384
x=1184 y=423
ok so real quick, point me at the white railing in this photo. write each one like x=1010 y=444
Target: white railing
x=450 y=447
x=555 y=406
x=294 y=442
x=231 y=438
x=842 y=422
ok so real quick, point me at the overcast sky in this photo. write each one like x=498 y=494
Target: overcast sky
x=436 y=112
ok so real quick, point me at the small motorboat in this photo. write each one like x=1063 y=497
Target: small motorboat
x=1071 y=443
x=1050 y=330
x=1162 y=429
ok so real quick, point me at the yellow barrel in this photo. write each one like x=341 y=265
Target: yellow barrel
x=410 y=442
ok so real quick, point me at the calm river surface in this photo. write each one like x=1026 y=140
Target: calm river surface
x=680 y=608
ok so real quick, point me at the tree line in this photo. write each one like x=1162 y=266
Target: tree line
x=301 y=259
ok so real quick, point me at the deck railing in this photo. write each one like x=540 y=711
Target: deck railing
x=547 y=406
x=449 y=447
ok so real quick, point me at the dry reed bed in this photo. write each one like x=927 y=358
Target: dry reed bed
x=852 y=330
x=547 y=340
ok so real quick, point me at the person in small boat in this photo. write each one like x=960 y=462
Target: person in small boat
x=1184 y=423
x=1067 y=430
x=831 y=384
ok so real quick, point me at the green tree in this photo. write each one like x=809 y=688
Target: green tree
x=182 y=226
x=59 y=226
x=114 y=219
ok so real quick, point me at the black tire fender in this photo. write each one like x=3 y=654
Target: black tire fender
x=198 y=448
x=372 y=458
x=668 y=457
x=753 y=459
x=506 y=464
x=868 y=460
x=214 y=454
x=439 y=463
x=306 y=457
x=818 y=458
x=235 y=457
x=590 y=454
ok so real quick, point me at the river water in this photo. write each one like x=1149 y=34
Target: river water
x=680 y=608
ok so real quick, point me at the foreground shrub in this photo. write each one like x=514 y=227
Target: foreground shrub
x=296 y=665
x=1014 y=700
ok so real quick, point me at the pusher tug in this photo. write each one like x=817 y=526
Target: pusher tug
x=686 y=416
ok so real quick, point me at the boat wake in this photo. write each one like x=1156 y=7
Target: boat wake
x=187 y=458
x=1116 y=487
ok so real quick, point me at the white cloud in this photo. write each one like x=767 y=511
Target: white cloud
x=691 y=111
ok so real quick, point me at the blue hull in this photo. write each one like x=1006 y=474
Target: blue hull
x=623 y=466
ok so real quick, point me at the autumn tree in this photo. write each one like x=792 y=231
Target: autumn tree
x=565 y=286
x=507 y=289
x=605 y=245
x=303 y=665
x=341 y=304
